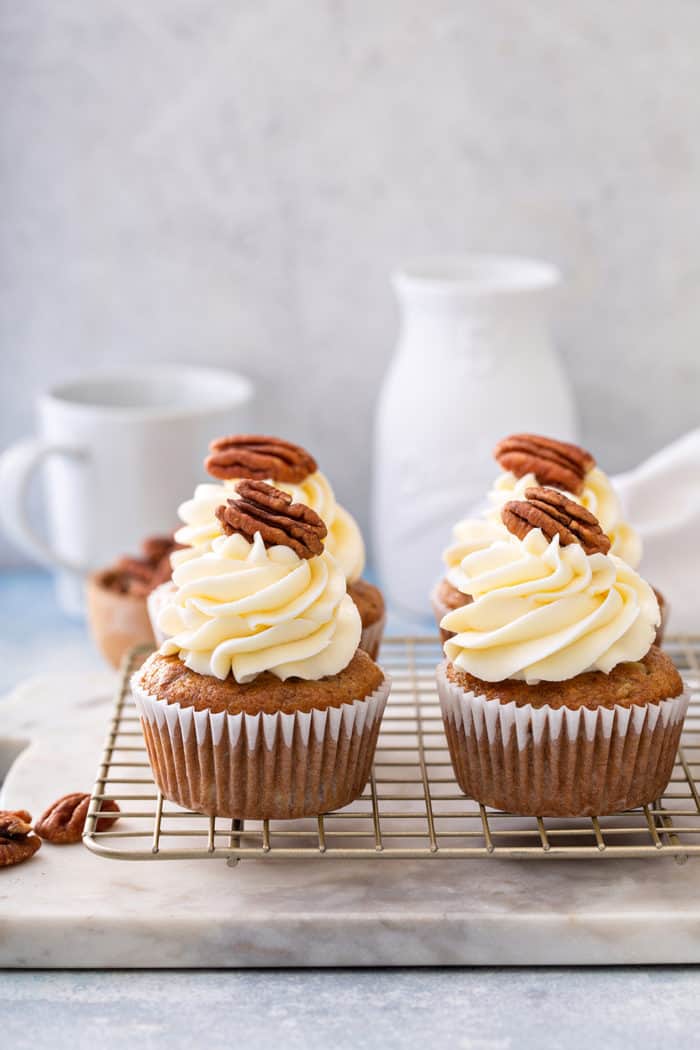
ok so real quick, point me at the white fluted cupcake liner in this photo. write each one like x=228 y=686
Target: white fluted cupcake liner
x=255 y=767
x=546 y=761
x=371 y=637
x=155 y=602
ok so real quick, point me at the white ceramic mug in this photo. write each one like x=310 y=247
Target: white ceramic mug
x=122 y=450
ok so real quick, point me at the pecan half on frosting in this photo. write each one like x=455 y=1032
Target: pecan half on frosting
x=64 y=820
x=258 y=457
x=16 y=840
x=556 y=515
x=264 y=509
x=554 y=463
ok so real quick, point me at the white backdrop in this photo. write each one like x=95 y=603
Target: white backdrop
x=231 y=184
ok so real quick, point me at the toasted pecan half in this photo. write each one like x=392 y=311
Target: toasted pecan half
x=556 y=515
x=260 y=458
x=264 y=509
x=556 y=464
x=17 y=843
x=64 y=820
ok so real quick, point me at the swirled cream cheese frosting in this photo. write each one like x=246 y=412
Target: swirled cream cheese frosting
x=344 y=540
x=242 y=608
x=546 y=612
x=469 y=535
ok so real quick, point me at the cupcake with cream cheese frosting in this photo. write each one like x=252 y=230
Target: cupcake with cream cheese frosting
x=555 y=700
x=530 y=460
x=117 y=598
x=293 y=470
x=259 y=703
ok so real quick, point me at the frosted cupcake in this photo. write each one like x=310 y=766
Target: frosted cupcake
x=555 y=700
x=529 y=460
x=116 y=598
x=259 y=704
x=293 y=470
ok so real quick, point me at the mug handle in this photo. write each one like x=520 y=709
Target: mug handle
x=17 y=467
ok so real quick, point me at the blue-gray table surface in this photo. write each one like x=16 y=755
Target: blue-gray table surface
x=471 y=1009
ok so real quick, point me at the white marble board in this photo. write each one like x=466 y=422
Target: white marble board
x=68 y=908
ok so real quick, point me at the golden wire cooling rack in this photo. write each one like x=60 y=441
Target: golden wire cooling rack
x=412 y=806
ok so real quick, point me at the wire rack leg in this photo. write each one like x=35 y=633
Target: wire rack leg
x=234 y=841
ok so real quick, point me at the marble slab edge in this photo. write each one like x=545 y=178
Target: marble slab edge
x=329 y=941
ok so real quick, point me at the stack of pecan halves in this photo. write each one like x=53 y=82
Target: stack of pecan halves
x=271 y=512
x=551 y=511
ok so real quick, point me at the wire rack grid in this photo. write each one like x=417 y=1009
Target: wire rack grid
x=412 y=806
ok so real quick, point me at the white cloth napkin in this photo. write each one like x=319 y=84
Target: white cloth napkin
x=661 y=498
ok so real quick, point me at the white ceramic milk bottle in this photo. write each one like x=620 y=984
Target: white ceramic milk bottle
x=474 y=362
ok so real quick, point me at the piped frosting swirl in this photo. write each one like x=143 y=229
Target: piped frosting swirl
x=242 y=608
x=541 y=611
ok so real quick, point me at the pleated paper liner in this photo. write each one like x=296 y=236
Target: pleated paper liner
x=264 y=766
x=559 y=762
x=371 y=637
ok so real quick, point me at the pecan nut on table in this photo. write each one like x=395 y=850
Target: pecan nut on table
x=64 y=820
x=17 y=842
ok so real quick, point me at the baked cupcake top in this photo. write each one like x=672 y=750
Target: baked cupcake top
x=647 y=681
x=263 y=594
x=529 y=460
x=289 y=468
x=166 y=676
x=550 y=600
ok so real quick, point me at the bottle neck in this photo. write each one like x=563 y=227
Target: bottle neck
x=460 y=326
x=466 y=299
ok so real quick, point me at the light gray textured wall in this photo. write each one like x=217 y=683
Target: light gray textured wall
x=232 y=182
